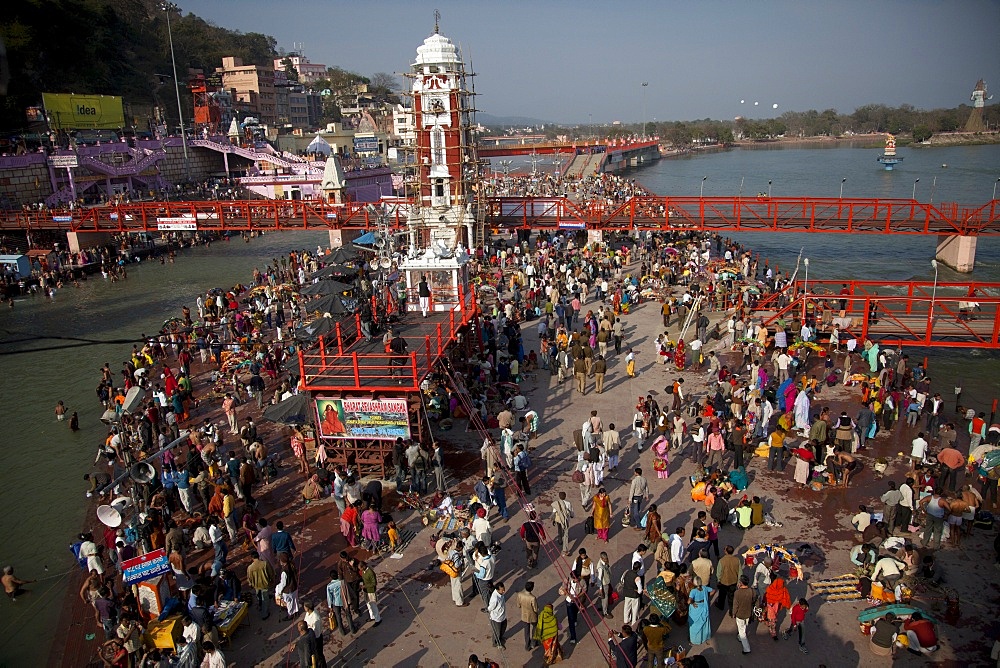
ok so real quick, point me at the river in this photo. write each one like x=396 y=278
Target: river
x=42 y=491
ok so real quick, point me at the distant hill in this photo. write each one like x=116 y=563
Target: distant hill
x=111 y=47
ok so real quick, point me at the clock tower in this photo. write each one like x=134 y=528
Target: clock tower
x=441 y=225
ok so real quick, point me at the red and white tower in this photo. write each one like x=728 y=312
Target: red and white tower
x=445 y=155
x=441 y=224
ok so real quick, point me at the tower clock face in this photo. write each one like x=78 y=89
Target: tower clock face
x=435 y=110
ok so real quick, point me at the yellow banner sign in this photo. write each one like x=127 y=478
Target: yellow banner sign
x=83 y=112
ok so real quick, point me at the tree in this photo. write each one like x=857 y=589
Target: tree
x=290 y=70
x=921 y=133
x=384 y=88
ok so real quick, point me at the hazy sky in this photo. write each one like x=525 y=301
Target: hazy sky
x=568 y=60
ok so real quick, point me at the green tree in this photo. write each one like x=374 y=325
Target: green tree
x=922 y=133
x=291 y=71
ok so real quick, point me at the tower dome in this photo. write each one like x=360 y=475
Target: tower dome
x=436 y=50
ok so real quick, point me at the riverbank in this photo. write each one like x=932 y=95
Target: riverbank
x=874 y=140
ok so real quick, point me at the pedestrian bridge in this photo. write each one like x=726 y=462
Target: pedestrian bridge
x=924 y=314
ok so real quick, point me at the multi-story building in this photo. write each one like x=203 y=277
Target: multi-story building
x=308 y=72
x=253 y=86
x=281 y=90
x=298 y=108
x=404 y=126
x=314 y=108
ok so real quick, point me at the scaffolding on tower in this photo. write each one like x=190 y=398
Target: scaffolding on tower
x=463 y=165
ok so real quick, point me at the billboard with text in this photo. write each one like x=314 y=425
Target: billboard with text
x=387 y=419
x=68 y=111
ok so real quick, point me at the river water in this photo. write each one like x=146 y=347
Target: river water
x=42 y=491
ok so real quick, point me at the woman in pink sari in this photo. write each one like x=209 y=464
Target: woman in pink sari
x=661 y=461
x=370 y=519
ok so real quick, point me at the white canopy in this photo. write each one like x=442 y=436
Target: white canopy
x=319 y=145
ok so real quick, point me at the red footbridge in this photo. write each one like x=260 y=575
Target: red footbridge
x=712 y=214
x=924 y=314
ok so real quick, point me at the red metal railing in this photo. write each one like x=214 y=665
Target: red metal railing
x=723 y=214
x=334 y=366
x=750 y=214
x=952 y=315
x=212 y=216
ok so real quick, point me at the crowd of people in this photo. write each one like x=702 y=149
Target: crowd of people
x=203 y=501
x=764 y=401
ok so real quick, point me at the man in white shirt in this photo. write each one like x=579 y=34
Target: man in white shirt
x=887 y=571
x=862 y=519
x=905 y=512
x=919 y=449
x=639 y=557
x=677 y=551
x=315 y=622
x=497 y=610
x=677 y=434
x=698 y=437
x=782 y=361
x=695 y=348
x=213 y=657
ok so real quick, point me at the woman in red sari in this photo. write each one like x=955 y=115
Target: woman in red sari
x=348 y=524
x=680 y=356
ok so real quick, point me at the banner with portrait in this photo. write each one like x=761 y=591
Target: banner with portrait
x=386 y=419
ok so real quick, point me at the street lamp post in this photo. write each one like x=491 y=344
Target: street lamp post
x=842 y=182
x=805 y=291
x=930 y=314
x=702 y=194
x=995 y=188
x=913 y=195
x=741 y=187
x=769 y=190
x=170 y=7
x=645 y=84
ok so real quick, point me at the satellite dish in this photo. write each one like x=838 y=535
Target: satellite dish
x=385 y=263
x=380 y=242
x=142 y=473
x=109 y=517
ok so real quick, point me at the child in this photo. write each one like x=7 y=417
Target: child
x=393 y=534
x=796 y=619
x=757 y=511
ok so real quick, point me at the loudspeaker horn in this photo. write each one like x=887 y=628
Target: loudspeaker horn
x=109 y=516
x=142 y=473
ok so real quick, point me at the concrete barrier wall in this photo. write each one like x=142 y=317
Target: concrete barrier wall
x=22 y=183
x=202 y=161
x=25 y=185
